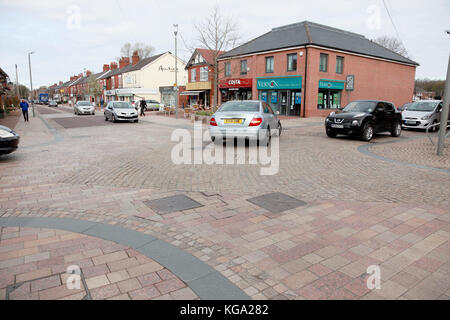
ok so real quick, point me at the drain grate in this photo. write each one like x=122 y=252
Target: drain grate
x=175 y=203
x=276 y=202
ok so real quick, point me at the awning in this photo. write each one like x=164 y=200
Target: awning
x=191 y=93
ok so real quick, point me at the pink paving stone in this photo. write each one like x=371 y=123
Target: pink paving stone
x=93 y=271
x=340 y=294
x=331 y=282
x=144 y=293
x=105 y=292
x=428 y=264
x=170 y=285
x=358 y=286
x=320 y=269
x=310 y=292
x=150 y=278
x=165 y=274
x=45 y=283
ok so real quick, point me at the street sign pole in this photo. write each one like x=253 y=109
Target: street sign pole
x=444 y=113
x=31 y=82
x=176 y=80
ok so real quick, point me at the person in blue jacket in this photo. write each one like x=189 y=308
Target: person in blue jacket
x=24 y=106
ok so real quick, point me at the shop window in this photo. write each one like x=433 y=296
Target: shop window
x=339 y=64
x=227 y=69
x=323 y=67
x=329 y=99
x=204 y=74
x=269 y=64
x=193 y=75
x=243 y=67
x=292 y=62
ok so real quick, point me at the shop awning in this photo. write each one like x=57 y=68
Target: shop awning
x=191 y=93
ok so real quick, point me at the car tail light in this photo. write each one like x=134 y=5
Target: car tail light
x=255 y=122
x=212 y=122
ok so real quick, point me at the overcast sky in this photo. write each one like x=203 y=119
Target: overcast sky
x=67 y=42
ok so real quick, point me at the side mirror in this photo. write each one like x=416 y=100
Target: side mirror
x=277 y=112
x=379 y=109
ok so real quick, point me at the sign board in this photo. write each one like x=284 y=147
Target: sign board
x=350 y=82
x=279 y=83
x=331 y=84
x=235 y=83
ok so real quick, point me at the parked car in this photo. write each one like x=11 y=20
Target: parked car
x=364 y=118
x=83 y=107
x=152 y=105
x=251 y=119
x=404 y=107
x=52 y=103
x=120 y=110
x=422 y=114
x=9 y=140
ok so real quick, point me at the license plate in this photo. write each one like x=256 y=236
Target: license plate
x=338 y=126
x=410 y=122
x=232 y=121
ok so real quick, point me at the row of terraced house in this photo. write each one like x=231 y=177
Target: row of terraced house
x=303 y=69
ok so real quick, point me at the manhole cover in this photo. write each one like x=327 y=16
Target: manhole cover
x=276 y=202
x=172 y=204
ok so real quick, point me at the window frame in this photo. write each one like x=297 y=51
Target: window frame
x=203 y=72
x=341 y=58
x=194 y=75
x=273 y=64
x=326 y=62
x=287 y=62
x=243 y=73
x=227 y=69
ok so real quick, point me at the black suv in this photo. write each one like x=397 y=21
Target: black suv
x=364 y=118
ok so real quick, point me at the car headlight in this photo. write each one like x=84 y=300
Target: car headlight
x=327 y=120
x=332 y=113
x=5 y=134
x=426 y=117
x=355 y=123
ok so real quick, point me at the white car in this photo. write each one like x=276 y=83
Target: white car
x=120 y=110
x=421 y=114
x=152 y=105
x=83 y=107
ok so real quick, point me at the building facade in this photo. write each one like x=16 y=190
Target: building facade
x=307 y=69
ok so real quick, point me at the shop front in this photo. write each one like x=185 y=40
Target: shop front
x=235 y=89
x=330 y=92
x=168 y=95
x=199 y=94
x=283 y=94
x=110 y=95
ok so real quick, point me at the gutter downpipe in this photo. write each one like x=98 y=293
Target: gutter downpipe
x=306 y=67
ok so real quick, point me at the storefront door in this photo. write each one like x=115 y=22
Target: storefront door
x=295 y=103
x=284 y=102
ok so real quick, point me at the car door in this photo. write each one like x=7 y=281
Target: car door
x=270 y=116
x=389 y=116
x=379 y=124
x=108 y=110
x=438 y=112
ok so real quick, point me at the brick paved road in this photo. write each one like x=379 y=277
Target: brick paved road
x=360 y=210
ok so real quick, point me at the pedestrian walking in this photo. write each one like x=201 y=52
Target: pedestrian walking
x=24 y=106
x=143 y=107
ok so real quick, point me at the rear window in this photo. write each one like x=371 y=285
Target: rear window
x=243 y=106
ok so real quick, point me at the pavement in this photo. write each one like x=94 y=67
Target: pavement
x=343 y=205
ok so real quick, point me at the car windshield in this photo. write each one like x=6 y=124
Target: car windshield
x=243 y=106
x=423 y=106
x=360 y=106
x=84 y=103
x=122 y=105
x=406 y=105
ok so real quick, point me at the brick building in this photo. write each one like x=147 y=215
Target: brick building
x=307 y=69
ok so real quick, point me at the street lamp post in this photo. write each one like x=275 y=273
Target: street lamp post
x=31 y=81
x=445 y=110
x=176 y=71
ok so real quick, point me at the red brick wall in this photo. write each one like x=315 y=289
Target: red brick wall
x=197 y=79
x=374 y=79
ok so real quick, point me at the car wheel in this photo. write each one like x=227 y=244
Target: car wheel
x=266 y=140
x=74 y=111
x=213 y=138
x=435 y=128
x=331 y=133
x=114 y=118
x=367 y=134
x=136 y=120
x=93 y=113
x=106 y=118
x=397 y=130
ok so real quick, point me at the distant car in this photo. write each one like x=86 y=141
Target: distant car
x=364 y=118
x=83 y=107
x=251 y=119
x=422 y=114
x=9 y=140
x=52 y=103
x=120 y=110
x=404 y=107
x=152 y=105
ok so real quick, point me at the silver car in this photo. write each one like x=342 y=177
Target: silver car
x=251 y=119
x=83 y=107
x=421 y=114
x=120 y=110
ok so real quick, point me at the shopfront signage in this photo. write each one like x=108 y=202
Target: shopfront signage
x=331 y=84
x=170 y=69
x=235 y=83
x=110 y=92
x=279 y=83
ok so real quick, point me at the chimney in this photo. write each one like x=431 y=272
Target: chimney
x=105 y=67
x=123 y=62
x=113 y=65
x=135 y=58
x=60 y=83
x=88 y=73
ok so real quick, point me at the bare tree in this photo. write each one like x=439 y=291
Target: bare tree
x=94 y=87
x=143 y=50
x=392 y=44
x=216 y=33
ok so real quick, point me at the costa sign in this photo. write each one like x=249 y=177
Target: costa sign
x=235 y=83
